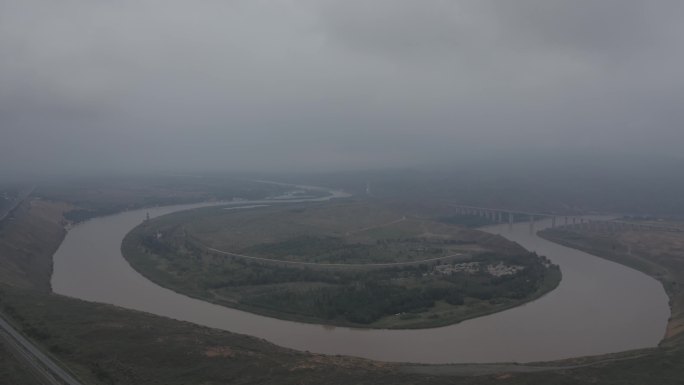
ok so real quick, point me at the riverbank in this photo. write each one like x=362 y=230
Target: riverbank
x=653 y=252
x=28 y=241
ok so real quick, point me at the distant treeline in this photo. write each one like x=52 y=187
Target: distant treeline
x=94 y=197
x=580 y=183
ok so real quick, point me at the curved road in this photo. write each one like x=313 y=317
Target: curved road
x=335 y=265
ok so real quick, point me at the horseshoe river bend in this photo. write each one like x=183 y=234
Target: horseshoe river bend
x=599 y=307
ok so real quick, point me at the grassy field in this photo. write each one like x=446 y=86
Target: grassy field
x=322 y=233
x=172 y=251
x=27 y=242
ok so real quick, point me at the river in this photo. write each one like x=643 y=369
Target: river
x=599 y=307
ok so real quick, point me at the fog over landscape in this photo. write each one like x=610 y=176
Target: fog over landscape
x=329 y=85
x=405 y=192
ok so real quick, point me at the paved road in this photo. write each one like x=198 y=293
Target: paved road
x=44 y=365
x=22 y=196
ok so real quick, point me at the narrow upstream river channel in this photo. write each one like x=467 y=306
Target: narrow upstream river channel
x=599 y=307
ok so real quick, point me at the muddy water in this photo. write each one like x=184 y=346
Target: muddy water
x=599 y=307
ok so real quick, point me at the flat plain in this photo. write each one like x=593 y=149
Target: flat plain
x=353 y=263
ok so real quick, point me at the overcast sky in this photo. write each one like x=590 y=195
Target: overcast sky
x=271 y=85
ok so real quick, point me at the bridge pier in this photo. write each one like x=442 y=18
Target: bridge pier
x=569 y=222
x=531 y=224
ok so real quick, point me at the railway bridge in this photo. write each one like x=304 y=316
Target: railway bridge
x=577 y=222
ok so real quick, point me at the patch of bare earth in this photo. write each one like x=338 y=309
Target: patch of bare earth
x=219 y=351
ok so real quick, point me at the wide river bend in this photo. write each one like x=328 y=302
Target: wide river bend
x=599 y=306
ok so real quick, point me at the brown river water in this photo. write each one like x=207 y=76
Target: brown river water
x=599 y=306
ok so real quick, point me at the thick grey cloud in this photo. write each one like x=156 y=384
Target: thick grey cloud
x=248 y=84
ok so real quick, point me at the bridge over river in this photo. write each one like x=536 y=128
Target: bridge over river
x=588 y=222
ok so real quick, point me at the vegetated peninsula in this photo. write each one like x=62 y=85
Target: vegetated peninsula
x=353 y=263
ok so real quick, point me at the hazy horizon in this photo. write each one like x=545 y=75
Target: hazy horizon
x=150 y=86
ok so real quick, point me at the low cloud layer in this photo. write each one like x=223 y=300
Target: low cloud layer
x=89 y=86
